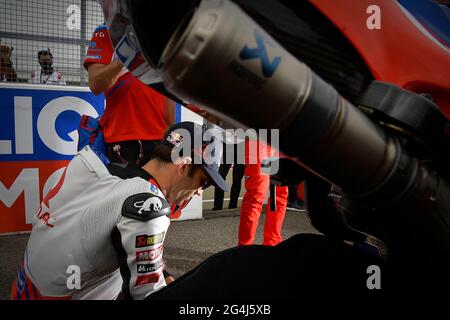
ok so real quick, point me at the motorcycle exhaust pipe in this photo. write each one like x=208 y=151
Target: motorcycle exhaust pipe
x=223 y=60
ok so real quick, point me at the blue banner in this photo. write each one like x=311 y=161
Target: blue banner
x=41 y=124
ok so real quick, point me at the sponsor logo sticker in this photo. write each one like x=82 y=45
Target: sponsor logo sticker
x=149 y=255
x=151 y=204
x=93 y=57
x=149 y=267
x=149 y=240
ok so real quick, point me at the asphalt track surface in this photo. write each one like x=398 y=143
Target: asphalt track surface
x=187 y=243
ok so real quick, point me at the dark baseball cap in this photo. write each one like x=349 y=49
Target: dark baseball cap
x=188 y=139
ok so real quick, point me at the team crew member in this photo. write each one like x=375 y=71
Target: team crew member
x=136 y=115
x=47 y=74
x=101 y=217
x=256 y=187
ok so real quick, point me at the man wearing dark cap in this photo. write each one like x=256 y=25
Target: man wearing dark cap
x=100 y=230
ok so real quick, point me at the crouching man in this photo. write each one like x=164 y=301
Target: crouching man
x=108 y=221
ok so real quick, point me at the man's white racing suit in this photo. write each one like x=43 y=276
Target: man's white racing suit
x=91 y=224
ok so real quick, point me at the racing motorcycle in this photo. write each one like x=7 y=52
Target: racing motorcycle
x=362 y=107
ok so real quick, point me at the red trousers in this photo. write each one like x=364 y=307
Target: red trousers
x=301 y=190
x=257 y=186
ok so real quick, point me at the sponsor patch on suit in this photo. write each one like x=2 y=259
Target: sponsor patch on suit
x=145 y=206
x=144 y=240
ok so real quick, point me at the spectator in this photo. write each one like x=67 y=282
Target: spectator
x=7 y=72
x=136 y=115
x=47 y=74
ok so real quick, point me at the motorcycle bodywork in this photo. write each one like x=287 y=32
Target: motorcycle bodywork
x=405 y=51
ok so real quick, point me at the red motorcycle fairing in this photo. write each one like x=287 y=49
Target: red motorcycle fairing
x=402 y=52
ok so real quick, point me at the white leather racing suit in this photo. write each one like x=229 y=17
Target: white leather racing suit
x=91 y=224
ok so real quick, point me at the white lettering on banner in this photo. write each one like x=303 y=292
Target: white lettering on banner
x=28 y=182
x=47 y=118
x=5 y=147
x=23 y=124
x=74 y=20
